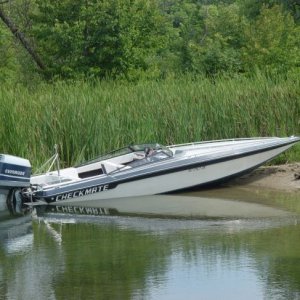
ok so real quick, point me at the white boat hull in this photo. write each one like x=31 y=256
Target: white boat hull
x=184 y=179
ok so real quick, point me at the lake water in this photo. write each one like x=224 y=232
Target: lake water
x=179 y=256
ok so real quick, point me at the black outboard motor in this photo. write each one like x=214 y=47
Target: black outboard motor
x=15 y=175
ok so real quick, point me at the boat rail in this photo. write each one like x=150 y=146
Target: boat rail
x=54 y=159
x=221 y=141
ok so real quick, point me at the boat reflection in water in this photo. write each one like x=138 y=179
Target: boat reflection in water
x=13 y=229
x=194 y=252
x=165 y=206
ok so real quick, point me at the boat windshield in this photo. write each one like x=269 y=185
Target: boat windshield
x=131 y=149
x=153 y=147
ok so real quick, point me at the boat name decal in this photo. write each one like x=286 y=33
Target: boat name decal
x=81 y=210
x=14 y=172
x=83 y=192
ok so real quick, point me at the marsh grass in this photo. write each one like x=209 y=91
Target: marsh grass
x=86 y=119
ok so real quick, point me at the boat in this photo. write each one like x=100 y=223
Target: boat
x=148 y=169
x=15 y=175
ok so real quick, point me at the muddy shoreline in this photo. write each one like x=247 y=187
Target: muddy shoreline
x=280 y=177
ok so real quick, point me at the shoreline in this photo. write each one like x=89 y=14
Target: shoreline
x=277 y=177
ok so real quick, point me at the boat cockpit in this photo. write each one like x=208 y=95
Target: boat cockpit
x=109 y=164
x=126 y=158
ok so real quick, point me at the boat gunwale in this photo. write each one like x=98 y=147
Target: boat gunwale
x=296 y=138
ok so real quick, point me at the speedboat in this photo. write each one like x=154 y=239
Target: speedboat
x=148 y=169
x=15 y=175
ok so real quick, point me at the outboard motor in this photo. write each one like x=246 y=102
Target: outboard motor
x=15 y=175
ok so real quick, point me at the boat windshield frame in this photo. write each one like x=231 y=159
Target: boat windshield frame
x=127 y=150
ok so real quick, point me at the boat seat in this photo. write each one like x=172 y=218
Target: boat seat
x=109 y=167
x=69 y=173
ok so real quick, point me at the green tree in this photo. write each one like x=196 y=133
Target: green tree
x=272 y=42
x=19 y=60
x=251 y=8
x=220 y=48
x=8 y=65
x=211 y=37
x=101 y=37
x=188 y=18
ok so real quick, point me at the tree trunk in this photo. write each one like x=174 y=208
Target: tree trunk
x=20 y=36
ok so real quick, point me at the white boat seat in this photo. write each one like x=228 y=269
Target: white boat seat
x=109 y=167
x=69 y=173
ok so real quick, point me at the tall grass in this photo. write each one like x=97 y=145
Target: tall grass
x=86 y=119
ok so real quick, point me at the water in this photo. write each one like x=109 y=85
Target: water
x=132 y=257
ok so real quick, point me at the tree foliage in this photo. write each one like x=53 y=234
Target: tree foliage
x=136 y=39
x=272 y=41
x=100 y=38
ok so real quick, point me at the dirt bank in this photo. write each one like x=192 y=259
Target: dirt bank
x=282 y=177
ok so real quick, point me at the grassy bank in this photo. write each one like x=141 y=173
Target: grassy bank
x=87 y=119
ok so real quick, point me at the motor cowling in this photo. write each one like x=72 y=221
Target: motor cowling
x=15 y=175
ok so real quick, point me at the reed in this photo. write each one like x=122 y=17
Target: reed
x=86 y=119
